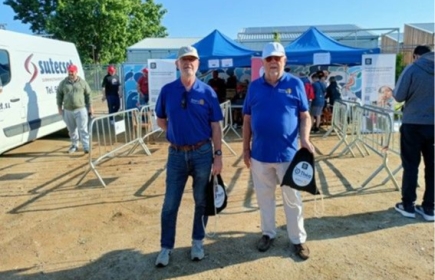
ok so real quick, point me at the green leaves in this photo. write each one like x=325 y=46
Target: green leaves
x=101 y=29
x=33 y=12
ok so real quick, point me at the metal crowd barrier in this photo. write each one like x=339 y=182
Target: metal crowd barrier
x=369 y=129
x=394 y=147
x=146 y=122
x=344 y=125
x=227 y=123
x=112 y=135
x=375 y=130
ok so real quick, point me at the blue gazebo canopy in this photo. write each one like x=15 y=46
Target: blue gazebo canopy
x=302 y=50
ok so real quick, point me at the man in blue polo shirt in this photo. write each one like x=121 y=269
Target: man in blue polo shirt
x=275 y=113
x=189 y=111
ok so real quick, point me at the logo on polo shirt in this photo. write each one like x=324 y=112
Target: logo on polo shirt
x=286 y=91
x=196 y=101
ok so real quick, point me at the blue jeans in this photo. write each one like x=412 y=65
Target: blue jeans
x=417 y=140
x=180 y=165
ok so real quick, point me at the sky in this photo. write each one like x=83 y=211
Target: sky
x=193 y=18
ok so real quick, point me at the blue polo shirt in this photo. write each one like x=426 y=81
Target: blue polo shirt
x=192 y=124
x=275 y=117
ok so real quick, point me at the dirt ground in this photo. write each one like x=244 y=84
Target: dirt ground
x=53 y=229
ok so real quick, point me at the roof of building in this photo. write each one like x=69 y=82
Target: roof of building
x=163 y=43
x=336 y=31
x=393 y=36
x=427 y=27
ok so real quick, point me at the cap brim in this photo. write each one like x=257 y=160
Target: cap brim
x=189 y=54
x=274 y=54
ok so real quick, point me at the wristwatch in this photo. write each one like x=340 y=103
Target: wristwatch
x=218 y=153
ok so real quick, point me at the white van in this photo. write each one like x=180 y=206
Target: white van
x=31 y=68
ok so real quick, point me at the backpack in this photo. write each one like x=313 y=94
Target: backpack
x=309 y=90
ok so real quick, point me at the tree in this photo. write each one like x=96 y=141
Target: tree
x=33 y=12
x=101 y=29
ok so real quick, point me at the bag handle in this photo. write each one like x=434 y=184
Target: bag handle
x=212 y=233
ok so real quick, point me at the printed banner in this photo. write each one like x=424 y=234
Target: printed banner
x=256 y=68
x=131 y=74
x=160 y=72
x=378 y=79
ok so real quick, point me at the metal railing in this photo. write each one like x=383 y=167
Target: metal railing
x=227 y=123
x=344 y=126
x=369 y=129
x=146 y=122
x=113 y=135
x=375 y=129
x=394 y=146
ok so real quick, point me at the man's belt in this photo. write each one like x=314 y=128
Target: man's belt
x=186 y=148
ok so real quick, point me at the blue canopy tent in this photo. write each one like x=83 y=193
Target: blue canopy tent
x=216 y=46
x=302 y=50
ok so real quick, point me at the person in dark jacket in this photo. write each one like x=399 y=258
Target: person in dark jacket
x=218 y=84
x=318 y=102
x=415 y=87
x=111 y=90
x=333 y=91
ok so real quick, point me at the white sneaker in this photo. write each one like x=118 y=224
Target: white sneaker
x=72 y=149
x=163 y=257
x=408 y=212
x=197 y=251
x=428 y=214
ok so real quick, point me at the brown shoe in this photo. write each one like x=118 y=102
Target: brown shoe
x=302 y=251
x=264 y=243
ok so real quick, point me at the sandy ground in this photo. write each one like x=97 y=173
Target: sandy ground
x=53 y=229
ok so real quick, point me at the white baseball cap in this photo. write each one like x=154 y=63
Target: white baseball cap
x=273 y=49
x=187 y=51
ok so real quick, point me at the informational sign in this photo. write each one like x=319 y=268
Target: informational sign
x=227 y=62
x=321 y=59
x=160 y=72
x=378 y=79
x=213 y=63
x=119 y=127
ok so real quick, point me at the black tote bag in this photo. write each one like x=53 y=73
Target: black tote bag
x=216 y=196
x=300 y=175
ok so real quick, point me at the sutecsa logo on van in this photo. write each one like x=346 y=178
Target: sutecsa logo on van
x=45 y=67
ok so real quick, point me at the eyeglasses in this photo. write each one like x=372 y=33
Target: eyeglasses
x=276 y=58
x=184 y=100
x=188 y=58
